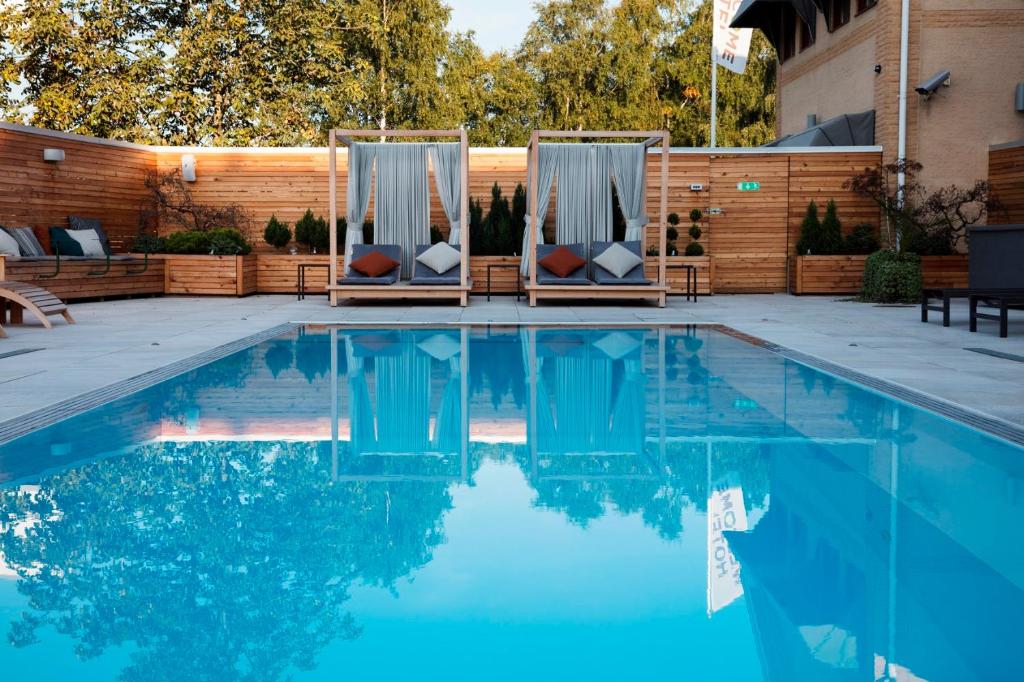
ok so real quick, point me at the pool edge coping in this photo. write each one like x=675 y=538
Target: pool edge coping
x=21 y=425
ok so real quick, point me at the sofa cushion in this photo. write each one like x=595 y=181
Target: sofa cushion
x=440 y=258
x=65 y=243
x=618 y=260
x=8 y=245
x=89 y=242
x=79 y=223
x=27 y=242
x=374 y=264
x=562 y=262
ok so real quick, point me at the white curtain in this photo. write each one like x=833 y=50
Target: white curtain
x=447 y=160
x=360 y=176
x=401 y=209
x=629 y=168
x=547 y=161
x=583 y=211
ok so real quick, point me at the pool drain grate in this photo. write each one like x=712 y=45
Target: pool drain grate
x=997 y=354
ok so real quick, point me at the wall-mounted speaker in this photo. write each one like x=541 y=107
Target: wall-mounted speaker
x=53 y=155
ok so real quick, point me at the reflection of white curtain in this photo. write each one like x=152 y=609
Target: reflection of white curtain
x=448 y=428
x=627 y=428
x=360 y=176
x=547 y=160
x=401 y=209
x=447 y=160
x=361 y=428
x=629 y=168
x=403 y=400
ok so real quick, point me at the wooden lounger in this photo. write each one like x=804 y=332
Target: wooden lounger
x=654 y=292
x=38 y=301
x=399 y=290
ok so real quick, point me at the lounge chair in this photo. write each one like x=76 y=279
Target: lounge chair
x=634 y=276
x=392 y=251
x=1002 y=302
x=38 y=301
x=545 y=276
x=424 y=275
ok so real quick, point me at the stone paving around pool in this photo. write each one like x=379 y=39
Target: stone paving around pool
x=117 y=340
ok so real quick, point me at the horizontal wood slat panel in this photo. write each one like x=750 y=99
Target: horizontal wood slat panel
x=74 y=282
x=1006 y=174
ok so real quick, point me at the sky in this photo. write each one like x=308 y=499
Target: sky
x=499 y=24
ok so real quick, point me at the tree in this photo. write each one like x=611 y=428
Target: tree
x=810 y=232
x=831 y=234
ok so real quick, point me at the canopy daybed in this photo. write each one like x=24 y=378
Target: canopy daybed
x=401 y=214
x=585 y=173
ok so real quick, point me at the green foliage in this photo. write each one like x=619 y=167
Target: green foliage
x=862 y=240
x=436 y=235
x=831 y=235
x=263 y=72
x=227 y=241
x=671 y=234
x=810 y=229
x=148 y=243
x=695 y=232
x=368 y=232
x=695 y=215
x=276 y=233
x=500 y=232
x=518 y=217
x=312 y=232
x=694 y=249
x=673 y=219
x=891 y=277
x=188 y=242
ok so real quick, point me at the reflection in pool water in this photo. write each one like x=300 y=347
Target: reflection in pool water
x=510 y=503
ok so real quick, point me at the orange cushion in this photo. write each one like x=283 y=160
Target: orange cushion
x=43 y=235
x=562 y=262
x=374 y=264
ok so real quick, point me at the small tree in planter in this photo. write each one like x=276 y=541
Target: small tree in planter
x=810 y=229
x=831 y=236
x=276 y=233
x=694 y=248
x=312 y=232
x=671 y=235
x=861 y=241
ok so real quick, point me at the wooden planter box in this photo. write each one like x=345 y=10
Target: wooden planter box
x=278 y=273
x=677 y=276
x=210 y=275
x=944 y=272
x=828 y=274
x=503 y=280
x=75 y=283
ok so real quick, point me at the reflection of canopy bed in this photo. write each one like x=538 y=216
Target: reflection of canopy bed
x=401 y=211
x=398 y=421
x=607 y=368
x=585 y=173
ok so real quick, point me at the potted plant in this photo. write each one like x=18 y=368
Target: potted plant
x=823 y=265
x=694 y=248
x=276 y=233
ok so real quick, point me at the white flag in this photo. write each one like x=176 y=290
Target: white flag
x=726 y=511
x=729 y=46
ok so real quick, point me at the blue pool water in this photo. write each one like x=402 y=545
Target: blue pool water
x=510 y=504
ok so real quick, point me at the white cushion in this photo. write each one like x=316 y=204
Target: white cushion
x=618 y=260
x=8 y=246
x=90 y=242
x=617 y=345
x=440 y=258
x=440 y=346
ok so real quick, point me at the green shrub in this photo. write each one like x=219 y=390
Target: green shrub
x=368 y=232
x=309 y=230
x=695 y=232
x=227 y=241
x=694 y=249
x=276 y=233
x=810 y=228
x=436 y=235
x=673 y=218
x=862 y=240
x=831 y=241
x=148 y=243
x=695 y=215
x=188 y=242
x=671 y=234
x=891 y=277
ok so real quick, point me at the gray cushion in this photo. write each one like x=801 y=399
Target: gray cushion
x=392 y=251
x=439 y=257
x=425 y=275
x=617 y=259
x=602 y=276
x=545 y=276
x=8 y=245
x=27 y=242
x=79 y=223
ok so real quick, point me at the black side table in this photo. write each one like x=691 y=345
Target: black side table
x=515 y=266
x=302 y=267
x=691 y=273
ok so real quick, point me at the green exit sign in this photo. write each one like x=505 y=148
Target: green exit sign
x=748 y=186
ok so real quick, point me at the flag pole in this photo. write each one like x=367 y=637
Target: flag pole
x=714 y=97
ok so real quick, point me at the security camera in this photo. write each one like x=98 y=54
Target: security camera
x=928 y=88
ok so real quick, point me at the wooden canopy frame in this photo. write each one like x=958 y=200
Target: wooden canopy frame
x=399 y=289
x=656 y=291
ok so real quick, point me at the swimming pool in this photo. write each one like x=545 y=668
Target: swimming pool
x=507 y=504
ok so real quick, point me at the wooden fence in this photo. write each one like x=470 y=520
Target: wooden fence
x=1006 y=174
x=750 y=233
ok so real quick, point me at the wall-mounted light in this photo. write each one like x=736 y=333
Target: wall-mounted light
x=812 y=120
x=188 y=168
x=53 y=155
x=1018 y=99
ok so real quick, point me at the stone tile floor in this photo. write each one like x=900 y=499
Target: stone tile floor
x=117 y=340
